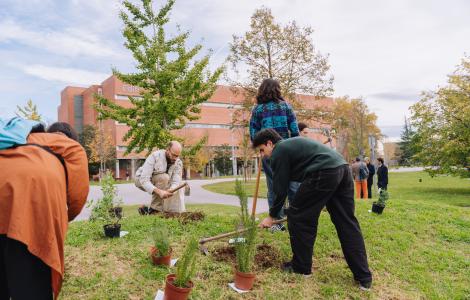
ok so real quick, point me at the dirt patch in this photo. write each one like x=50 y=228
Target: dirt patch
x=266 y=256
x=185 y=217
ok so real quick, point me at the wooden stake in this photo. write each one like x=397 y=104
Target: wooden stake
x=255 y=196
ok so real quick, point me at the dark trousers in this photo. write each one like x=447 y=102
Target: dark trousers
x=335 y=189
x=370 y=182
x=22 y=275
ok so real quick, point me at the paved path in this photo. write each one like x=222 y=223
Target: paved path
x=405 y=169
x=132 y=195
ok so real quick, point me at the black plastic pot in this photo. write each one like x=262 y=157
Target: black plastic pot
x=112 y=230
x=377 y=208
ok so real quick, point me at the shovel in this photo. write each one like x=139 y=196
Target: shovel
x=203 y=241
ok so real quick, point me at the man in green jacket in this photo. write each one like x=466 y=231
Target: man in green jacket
x=326 y=181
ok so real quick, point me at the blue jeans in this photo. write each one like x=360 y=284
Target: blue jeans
x=293 y=186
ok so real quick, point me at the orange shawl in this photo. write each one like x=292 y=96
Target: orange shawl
x=35 y=207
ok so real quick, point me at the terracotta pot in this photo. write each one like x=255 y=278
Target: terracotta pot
x=244 y=281
x=160 y=260
x=173 y=292
x=112 y=230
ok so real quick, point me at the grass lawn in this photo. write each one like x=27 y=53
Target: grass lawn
x=418 y=249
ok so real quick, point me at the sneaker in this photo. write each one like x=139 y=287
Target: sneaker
x=365 y=286
x=143 y=210
x=287 y=268
x=277 y=227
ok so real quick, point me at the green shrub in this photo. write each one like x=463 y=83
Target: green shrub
x=160 y=236
x=383 y=197
x=103 y=208
x=245 y=251
x=186 y=267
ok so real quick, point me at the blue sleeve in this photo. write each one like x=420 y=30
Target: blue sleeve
x=292 y=122
x=255 y=125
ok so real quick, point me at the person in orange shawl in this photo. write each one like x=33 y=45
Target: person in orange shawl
x=36 y=204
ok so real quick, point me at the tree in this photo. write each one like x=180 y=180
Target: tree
x=172 y=81
x=85 y=139
x=222 y=160
x=102 y=150
x=442 y=123
x=286 y=53
x=353 y=124
x=29 y=111
x=407 y=147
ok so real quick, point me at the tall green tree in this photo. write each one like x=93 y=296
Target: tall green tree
x=29 y=111
x=353 y=123
x=285 y=53
x=407 y=145
x=172 y=81
x=442 y=122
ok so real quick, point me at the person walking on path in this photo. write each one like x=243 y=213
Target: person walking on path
x=325 y=181
x=360 y=173
x=272 y=111
x=382 y=174
x=370 y=179
x=162 y=170
x=44 y=185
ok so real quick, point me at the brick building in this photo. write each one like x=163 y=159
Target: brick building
x=214 y=122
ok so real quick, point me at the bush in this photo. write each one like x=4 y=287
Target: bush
x=186 y=267
x=103 y=208
x=383 y=197
x=246 y=250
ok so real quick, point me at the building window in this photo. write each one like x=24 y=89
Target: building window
x=78 y=113
x=121 y=148
x=126 y=97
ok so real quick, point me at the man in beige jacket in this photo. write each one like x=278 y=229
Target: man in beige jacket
x=162 y=171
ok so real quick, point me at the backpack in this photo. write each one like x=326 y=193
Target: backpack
x=363 y=171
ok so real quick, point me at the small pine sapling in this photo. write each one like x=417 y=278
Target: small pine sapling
x=186 y=267
x=245 y=250
x=161 y=241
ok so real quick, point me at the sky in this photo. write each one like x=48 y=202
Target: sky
x=387 y=52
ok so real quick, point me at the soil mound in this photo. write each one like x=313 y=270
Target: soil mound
x=185 y=217
x=266 y=256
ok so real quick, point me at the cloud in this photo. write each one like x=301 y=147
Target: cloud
x=396 y=96
x=65 y=75
x=69 y=42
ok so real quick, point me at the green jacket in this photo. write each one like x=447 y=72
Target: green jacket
x=295 y=159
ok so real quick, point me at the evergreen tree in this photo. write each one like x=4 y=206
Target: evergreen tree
x=29 y=111
x=172 y=81
x=407 y=145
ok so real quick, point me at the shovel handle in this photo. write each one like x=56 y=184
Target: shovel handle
x=221 y=236
x=178 y=187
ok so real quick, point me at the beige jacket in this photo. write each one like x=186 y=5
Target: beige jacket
x=156 y=164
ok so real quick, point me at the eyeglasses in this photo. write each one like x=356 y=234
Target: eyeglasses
x=172 y=154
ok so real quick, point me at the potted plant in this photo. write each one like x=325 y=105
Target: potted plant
x=104 y=208
x=179 y=285
x=245 y=250
x=379 y=205
x=160 y=252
